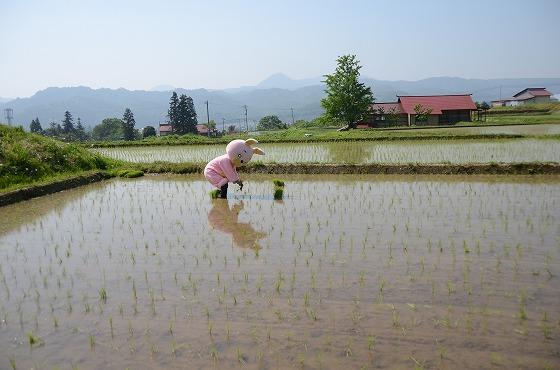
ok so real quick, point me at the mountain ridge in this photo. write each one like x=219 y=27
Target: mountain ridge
x=304 y=96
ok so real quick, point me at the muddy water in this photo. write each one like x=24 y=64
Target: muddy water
x=346 y=271
x=407 y=151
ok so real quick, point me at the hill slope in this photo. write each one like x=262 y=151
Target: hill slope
x=27 y=158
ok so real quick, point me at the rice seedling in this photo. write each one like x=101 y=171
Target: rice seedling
x=349 y=243
x=34 y=340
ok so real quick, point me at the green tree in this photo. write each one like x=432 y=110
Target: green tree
x=54 y=129
x=271 y=123
x=80 y=131
x=421 y=113
x=393 y=116
x=36 y=126
x=485 y=105
x=186 y=116
x=68 y=123
x=108 y=129
x=211 y=125
x=128 y=123
x=148 y=131
x=347 y=99
x=173 y=111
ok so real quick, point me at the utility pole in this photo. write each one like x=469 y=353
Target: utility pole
x=246 y=124
x=223 y=125
x=9 y=115
x=292 y=108
x=207 y=118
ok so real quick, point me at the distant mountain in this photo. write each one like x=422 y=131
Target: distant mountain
x=275 y=95
x=281 y=81
x=278 y=81
x=4 y=100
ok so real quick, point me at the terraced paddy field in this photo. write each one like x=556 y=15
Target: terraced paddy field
x=344 y=272
x=391 y=152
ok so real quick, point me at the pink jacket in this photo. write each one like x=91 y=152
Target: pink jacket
x=219 y=171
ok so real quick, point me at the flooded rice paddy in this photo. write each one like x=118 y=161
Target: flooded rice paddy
x=346 y=271
x=391 y=152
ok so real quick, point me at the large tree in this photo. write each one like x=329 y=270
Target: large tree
x=108 y=129
x=68 y=123
x=148 y=131
x=271 y=123
x=347 y=98
x=80 y=131
x=36 y=126
x=128 y=123
x=186 y=116
x=173 y=111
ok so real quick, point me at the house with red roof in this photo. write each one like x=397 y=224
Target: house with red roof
x=421 y=110
x=166 y=129
x=530 y=95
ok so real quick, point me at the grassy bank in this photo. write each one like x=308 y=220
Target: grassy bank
x=317 y=135
x=52 y=185
x=319 y=168
x=28 y=158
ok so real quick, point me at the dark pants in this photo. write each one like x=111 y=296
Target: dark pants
x=223 y=191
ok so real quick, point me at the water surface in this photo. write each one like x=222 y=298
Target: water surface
x=346 y=271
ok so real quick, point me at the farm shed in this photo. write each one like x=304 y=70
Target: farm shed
x=529 y=95
x=445 y=109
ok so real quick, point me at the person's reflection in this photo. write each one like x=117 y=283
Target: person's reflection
x=225 y=219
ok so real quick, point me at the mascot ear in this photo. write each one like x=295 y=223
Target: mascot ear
x=250 y=142
x=258 y=151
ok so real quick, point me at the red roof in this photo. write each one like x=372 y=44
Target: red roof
x=201 y=129
x=438 y=103
x=535 y=91
x=165 y=128
x=387 y=107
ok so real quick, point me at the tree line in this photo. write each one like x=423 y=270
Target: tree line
x=108 y=129
x=181 y=116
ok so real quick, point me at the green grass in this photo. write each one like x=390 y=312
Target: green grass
x=129 y=173
x=29 y=158
x=524 y=118
x=294 y=134
x=540 y=107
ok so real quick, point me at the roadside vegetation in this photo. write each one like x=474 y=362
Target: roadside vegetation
x=29 y=158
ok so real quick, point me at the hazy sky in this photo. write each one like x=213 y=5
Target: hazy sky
x=217 y=44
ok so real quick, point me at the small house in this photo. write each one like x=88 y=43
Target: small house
x=165 y=129
x=530 y=95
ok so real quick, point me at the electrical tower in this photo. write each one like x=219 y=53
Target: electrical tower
x=292 y=115
x=246 y=123
x=9 y=115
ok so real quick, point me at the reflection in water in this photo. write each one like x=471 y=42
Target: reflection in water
x=226 y=220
